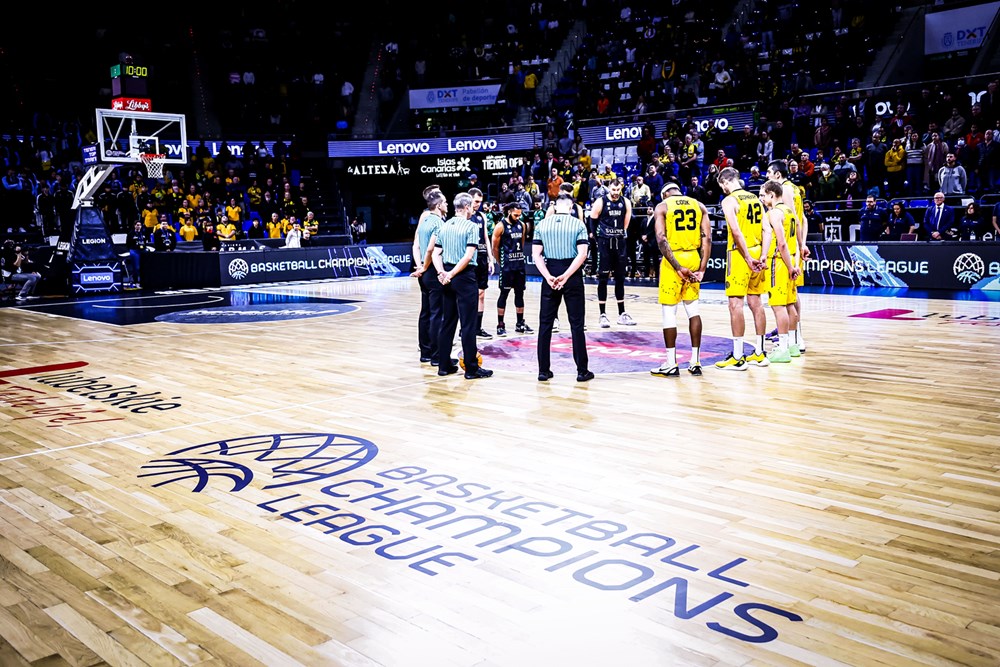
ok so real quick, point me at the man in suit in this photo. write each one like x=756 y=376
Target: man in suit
x=939 y=218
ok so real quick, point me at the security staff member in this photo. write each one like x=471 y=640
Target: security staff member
x=455 y=261
x=560 y=250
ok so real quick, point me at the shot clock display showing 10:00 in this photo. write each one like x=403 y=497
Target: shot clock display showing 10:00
x=129 y=80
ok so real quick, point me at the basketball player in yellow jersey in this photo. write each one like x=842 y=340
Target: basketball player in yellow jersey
x=745 y=268
x=684 y=237
x=791 y=196
x=782 y=273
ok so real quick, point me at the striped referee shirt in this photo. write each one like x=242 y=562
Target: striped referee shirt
x=456 y=235
x=560 y=235
x=430 y=225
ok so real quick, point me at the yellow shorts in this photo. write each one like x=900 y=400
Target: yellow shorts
x=800 y=281
x=781 y=290
x=740 y=280
x=673 y=289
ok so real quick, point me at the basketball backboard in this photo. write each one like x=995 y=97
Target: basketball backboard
x=122 y=136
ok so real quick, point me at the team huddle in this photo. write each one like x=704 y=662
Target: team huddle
x=765 y=253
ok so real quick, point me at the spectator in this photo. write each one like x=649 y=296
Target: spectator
x=952 y=177
x=853 y=189
x=939 y=219
x=815 y=222
x=900 y=221
x=256 y=230
x=875 y=163
x=164 y=238
x=842 y=167
x=827 y=186
x=968 y=227
x=17 y=269
x=874 y=221
x=935 y=152
x=746 y=149
x=765 y=149
x=895 y=163
x=555 y=180
x=989 y=160
x=954 y=127
x=640 y=195
x=755 y=179
x=914 y=163
x=293 y=239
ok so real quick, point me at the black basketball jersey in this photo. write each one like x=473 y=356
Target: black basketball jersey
x=611 y=222
x=480 y=221
x=512 y=246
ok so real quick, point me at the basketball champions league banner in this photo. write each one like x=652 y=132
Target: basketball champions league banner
x=269 y=265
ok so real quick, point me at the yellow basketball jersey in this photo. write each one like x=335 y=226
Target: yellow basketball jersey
x=800 y=212
x=749 y=215
x=789 y=231
x=682 y=223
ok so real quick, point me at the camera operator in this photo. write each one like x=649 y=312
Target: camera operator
x=18 y=269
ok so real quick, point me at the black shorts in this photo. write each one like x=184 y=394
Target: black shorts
x=483 y=270
x=514 y=280
x=611 y=254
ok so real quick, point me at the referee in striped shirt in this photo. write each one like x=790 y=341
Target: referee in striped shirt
x=455 y=260
x=560 y=250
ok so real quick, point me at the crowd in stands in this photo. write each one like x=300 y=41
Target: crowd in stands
x=211 y=199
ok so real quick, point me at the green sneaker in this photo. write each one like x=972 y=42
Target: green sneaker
x=777 y=356
x=793 y=351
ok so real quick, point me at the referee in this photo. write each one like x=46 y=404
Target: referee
x=560 y=250
x=455 y=261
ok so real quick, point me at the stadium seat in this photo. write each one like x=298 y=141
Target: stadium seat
x=596 y=155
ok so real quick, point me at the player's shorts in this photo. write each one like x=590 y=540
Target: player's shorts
x=611 y=255
x=483 y=270
x=514 y=280
x=781 y=288
x=740 y=280
x=673 y=289
x=801 y=280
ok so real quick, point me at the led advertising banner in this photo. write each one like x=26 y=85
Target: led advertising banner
x=958 y=29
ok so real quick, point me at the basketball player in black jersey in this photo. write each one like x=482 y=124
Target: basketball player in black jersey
x=485 y=262
x=611 y=215
x=509 y=239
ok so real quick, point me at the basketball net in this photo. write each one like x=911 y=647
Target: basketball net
x=153 y=163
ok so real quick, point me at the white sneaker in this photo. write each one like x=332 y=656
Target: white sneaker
x=555 y=324
x=605 y=322
x=626 y=319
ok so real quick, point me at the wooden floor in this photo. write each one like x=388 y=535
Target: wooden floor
x=232 y=491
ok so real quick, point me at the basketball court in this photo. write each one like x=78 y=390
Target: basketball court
x=268 y=475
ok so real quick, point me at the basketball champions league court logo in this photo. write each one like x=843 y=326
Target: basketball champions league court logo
x=431 y=521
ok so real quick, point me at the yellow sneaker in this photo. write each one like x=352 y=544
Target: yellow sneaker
x=731 y=363
x=758 y=359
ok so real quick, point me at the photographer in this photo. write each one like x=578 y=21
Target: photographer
x=17 y=269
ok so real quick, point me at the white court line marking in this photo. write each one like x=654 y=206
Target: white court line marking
x=166 y=305
x=124 y=438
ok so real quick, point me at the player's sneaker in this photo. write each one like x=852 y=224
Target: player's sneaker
x=501 y=331
x=794 y=351
x=779 y=356
x=665 y=371
x=731 y=363
x=626 y=319
x=695 y=370
x=483 y=333
x=604 y=321
x=772 y=335
x=522 y=327
x=555 y=324
x=757 y=359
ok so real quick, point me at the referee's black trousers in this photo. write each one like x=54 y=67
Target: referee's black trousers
x=573 y=293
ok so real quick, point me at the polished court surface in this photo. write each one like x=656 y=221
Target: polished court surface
x=268 y=476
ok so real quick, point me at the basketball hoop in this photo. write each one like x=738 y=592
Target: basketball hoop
x=153 y=163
